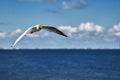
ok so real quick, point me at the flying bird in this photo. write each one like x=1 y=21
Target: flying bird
x=37 y=28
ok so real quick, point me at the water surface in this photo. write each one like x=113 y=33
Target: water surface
x=60 y=64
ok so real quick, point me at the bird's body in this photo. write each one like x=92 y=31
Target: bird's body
x=37 y=28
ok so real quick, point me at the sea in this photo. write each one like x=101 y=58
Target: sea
x=60 y=64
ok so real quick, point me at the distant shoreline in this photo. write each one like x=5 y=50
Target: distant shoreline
x=62 y=49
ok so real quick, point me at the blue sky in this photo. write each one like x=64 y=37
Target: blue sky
x=67 y=15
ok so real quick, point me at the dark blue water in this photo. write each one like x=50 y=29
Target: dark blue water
x=59 y=64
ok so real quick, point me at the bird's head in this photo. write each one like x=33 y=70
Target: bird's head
x=38 y=26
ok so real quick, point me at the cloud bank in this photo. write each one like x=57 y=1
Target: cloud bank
x=115 y=30
x=90 y=27
x=85 y=35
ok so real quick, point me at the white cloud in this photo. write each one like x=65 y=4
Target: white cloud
x=99 y=28
x=65 y=5
x=17 y=31
x=2 y=35
x=83 y=27
x=68 y=29
x=33 y=35
x=44 y=34
x=117 y=34
x=74 y=4
x=115 y=30
x=90 y=27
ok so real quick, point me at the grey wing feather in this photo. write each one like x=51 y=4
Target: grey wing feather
x=55 y=30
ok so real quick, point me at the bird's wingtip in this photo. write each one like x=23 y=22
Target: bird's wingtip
x=11 y=46
x=66 y=36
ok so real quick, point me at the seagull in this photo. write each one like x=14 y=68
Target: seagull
x=37 y=28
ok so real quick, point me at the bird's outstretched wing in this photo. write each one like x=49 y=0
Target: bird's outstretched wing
x=55 y=30
x=18 y=39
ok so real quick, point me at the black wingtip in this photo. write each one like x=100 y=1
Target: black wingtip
x=65 y=36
